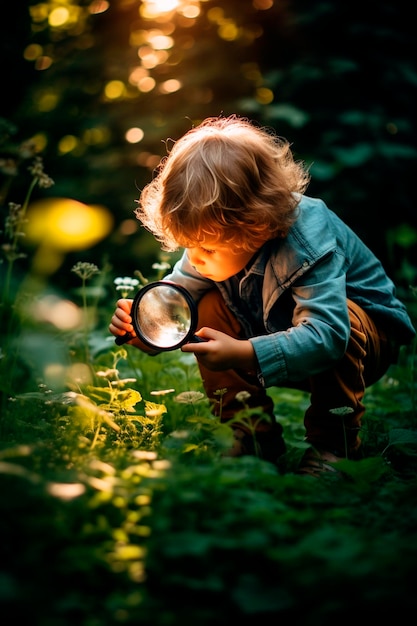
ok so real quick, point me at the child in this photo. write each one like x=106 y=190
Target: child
x=287 y=294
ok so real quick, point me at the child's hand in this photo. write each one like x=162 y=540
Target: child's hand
x=222 y=352
x=121 y=322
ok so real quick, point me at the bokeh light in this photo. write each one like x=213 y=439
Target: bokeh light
x=63 y=314
x=114 y=89
x=149 y=9
x=61 y=225
x=134 y=135
x=67 y=224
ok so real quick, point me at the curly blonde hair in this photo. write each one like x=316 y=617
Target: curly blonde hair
x=225 y=181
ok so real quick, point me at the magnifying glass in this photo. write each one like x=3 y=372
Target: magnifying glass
x=164 y=316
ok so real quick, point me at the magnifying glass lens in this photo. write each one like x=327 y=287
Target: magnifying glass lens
x=163 y=316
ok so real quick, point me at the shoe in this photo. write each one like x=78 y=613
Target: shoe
x=268 y=446
x=316 y=462
x=238 y=447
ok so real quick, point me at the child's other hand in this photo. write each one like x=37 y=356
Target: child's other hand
x=121 y=322
x=222 y=352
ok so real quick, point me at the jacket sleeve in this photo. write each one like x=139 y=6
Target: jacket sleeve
x=319 y=331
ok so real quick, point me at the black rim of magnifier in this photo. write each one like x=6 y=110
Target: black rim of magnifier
x=135 y=304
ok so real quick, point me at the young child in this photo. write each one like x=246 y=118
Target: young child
x=287 y=294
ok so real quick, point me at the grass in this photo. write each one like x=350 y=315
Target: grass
x=117 y=506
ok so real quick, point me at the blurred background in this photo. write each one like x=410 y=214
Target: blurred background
x=100 y=88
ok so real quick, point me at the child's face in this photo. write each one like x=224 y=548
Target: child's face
x=218 y=262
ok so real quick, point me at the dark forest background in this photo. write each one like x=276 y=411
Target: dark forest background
x=337 y=79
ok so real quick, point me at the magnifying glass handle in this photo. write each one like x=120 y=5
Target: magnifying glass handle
x=195 y=339
x=121 y=339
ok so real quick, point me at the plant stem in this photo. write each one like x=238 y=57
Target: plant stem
x=17 y=233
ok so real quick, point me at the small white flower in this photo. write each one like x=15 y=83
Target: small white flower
x=343 y=410
x=161 y=266
x=189 y=397
x=242 y=396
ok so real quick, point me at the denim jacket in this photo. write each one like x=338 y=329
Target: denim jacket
x=292 y=299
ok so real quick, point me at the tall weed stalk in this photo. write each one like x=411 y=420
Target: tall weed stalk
x=12 y=235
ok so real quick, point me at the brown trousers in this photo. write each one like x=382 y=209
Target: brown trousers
x=334 y=417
